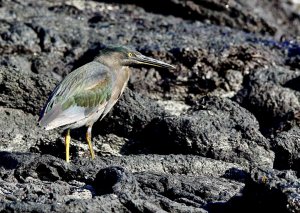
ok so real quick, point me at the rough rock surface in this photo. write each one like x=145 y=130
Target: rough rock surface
x=216 y=128
x=220 y=133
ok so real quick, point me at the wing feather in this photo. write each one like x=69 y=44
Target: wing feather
x=84 y=91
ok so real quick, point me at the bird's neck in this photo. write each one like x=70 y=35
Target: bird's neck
x=109 y=62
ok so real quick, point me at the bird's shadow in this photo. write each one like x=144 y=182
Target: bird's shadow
x=11 y=160
x=55 y=148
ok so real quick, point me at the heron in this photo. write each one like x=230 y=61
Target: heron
x=89 y=92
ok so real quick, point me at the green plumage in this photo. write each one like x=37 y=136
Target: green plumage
x=82 y=91
x=86 y=99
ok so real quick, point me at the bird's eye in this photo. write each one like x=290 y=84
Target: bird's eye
x=130 y=55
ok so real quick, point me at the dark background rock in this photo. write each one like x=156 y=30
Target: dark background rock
x=286 y=147
x=220 y=133
x=216 y=128
x=19 y=91
x=270 y=95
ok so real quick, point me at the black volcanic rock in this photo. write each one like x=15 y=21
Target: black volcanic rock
x=220 y=133
x=27 y=92
x=86 y=184
x=270 y=95
x=286 y=146
x=131 y=115
x=216 y=128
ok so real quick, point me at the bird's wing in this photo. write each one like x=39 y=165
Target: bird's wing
x=85 y=90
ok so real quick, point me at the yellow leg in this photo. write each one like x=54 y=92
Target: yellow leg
x=89 y=140
x=67 y=141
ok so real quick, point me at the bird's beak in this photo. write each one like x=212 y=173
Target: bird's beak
x=141 y=59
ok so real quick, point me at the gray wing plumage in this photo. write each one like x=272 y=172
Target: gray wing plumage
x=84 y=91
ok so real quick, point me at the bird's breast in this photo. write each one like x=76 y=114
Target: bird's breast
x=120 y=83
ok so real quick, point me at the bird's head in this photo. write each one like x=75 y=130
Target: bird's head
x=123 y=56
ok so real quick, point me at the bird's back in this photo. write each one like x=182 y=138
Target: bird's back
x=83 y=92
